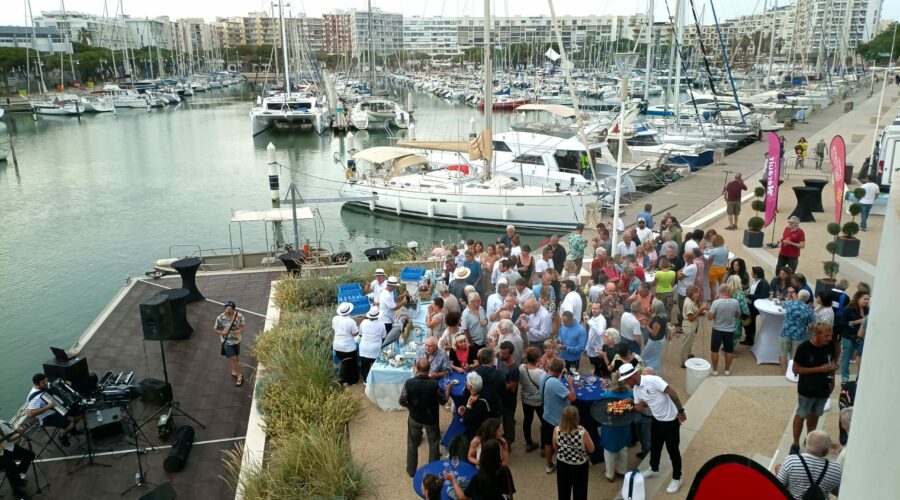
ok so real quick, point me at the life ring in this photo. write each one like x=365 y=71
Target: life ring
x=463 y=169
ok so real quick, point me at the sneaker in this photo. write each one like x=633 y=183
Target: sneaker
x=647 y=473
x=862 y=229
x=23 y=476
x=795 y=449
x=715 y=373
x=727 y=372
x=674 y=486
x=550 y=468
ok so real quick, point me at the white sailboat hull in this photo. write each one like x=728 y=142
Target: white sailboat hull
x=263 y=119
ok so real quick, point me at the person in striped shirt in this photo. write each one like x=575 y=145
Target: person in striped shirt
x=45 y=412
x=794 y=476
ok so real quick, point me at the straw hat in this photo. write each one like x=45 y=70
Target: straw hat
x=345 y=308
x=626 y=370
x=393 y=281
x=462 y=273
x=379 y=272
x=373 y=313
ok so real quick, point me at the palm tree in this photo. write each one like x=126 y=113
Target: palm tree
x=84 y=36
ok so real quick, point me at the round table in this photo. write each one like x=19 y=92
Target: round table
x=187 y=269
x=586 y=394
x=291 y=261
x=818 y=184
x=766 y=347
x=178 y=304
x=464 y=473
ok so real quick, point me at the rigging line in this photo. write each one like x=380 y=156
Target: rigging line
x=678 y=47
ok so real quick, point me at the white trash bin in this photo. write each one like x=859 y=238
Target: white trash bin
x=697 y=370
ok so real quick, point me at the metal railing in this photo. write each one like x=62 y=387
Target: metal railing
x=810 y=166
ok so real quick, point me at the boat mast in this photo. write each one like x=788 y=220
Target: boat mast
x=758 y=46
x=284 y=53
x=371 y=52
x=40 y=65
x=649 y=49
x=62 y=4
x=488 y=89
x=679 y=41
x=771 y=42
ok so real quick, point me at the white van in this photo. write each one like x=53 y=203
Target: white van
x=889 y=153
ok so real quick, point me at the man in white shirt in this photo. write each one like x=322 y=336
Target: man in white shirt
x=524 y=293
x=626 y=246
x=536 y=323
x=571 y=300
x=686 y=277
x=654 y=393
x=630 y=327
x=344 y=343
x=868 y=201
x=12 y=453
x=644 y=233
x=377 y=285
x=45 y=412
x=596 y=328
x=387 y=305
x=495 y=302
x=545 y=262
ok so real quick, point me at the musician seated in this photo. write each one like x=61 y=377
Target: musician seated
x=45 y=412
x=12 y=452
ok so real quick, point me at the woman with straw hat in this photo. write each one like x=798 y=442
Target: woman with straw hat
x=344 y=345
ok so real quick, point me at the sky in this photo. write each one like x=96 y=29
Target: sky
x=13 y=12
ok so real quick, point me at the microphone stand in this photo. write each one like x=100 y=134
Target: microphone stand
x=34 y=463
x=90 y=447
x=140 y=477
x=175 y=406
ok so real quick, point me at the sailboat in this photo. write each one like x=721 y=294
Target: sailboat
x=288 y=107
x=406 y=183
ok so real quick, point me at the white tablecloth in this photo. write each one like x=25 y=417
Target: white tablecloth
x=765 y=347
x=385 y=382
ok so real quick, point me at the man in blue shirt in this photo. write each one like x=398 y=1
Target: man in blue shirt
x=476 y=273
x=572 y=339
x=795 y=329
x=647 y=215
x=557 y=396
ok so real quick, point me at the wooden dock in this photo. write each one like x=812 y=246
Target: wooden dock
x=339 y=116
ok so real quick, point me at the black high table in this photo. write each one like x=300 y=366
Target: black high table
x=187 y=268
x=178 y=304
x=806 y=199
x=820 y=185
x=291 y=261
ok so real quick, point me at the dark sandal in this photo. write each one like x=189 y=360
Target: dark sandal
x=240 y=381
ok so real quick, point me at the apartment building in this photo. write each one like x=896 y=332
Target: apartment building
x=47 y=39
x=435 y=36
x=337 y=33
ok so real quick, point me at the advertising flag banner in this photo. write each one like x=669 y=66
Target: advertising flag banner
x=837 y=151
x=773 y=174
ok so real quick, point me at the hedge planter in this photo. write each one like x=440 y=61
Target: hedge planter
x=753 y=239
x=847 y=247
x=824 y=285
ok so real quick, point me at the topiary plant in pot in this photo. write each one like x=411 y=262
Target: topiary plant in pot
x=846 y=245
x=753 y=236
x=830 y=267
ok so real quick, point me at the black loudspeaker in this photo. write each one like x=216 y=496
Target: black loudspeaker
x=108 y=424
x=184 y=439
x=74 y=370
x=164 y=491
x=155 y=391
x=156 y=318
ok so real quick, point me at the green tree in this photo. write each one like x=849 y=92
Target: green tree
x=880 y=47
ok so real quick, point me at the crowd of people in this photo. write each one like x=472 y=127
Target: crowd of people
x=516 y=322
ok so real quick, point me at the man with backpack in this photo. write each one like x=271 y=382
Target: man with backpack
x=811 y=475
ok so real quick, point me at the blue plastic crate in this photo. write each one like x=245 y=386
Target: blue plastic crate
x=348 y=290
x=360 y=305
x=412 y=273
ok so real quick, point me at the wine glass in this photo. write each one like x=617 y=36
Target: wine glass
x=455 y=461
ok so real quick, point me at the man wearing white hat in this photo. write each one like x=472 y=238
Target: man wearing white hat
x=344 y=344
x=371 y=335
x=377 y=285
x=387 y=305
x=458 y=284
x=654 y=393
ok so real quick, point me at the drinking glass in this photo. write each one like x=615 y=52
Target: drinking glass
x=447 y=467
x=455 y=461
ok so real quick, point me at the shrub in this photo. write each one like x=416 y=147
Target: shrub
x=831 y=247
x=301 y=293
x=833 y=229
x=831 y=267
x=854 y=209
x=759 y=192
x=850 y=229
x=755 y=224
x=758 y=205
x=859 y=193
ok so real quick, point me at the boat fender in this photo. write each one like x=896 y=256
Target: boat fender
x=505 y=213
x=460 y=211
x=431 y=210
x=399 y=206
x=350 y=174
x=372 y=205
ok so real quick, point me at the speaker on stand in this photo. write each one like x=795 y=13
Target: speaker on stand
x=156 y=318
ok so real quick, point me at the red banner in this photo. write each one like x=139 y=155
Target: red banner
x=838 y=154
x=773 y=175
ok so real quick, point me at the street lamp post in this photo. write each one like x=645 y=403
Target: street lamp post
x=625 y=63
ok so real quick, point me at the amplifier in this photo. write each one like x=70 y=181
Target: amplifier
x=109 y=423
x=74 y=370
x=155 y=391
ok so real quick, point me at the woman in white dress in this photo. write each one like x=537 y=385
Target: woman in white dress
x=371 y=333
